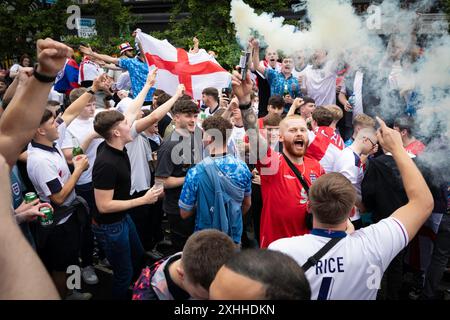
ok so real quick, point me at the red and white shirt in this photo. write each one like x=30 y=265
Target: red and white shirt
x=89 y=70
x=325 y=146
x=284 y=199
x=415 y=147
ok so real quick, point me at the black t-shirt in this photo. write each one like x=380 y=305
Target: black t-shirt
x=162 y=124
x=382 y=188
x=174 y=167
x=112 y=170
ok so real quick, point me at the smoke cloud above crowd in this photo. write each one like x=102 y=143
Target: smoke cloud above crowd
x=402 y=69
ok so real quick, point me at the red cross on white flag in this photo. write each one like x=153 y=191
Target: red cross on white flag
x=196 y=71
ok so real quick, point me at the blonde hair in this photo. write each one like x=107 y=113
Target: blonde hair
x=364 y=120
x=336 y=111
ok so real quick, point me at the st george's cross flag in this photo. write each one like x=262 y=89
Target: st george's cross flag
x=175 y=65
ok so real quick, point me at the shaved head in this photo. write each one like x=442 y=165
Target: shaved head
x=294 y=136
x=284 y=124
x=367 y=133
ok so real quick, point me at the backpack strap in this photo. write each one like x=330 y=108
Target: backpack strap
x=319 y=254
x=297 y=173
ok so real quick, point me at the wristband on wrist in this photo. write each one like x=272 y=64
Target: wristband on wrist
x=42 y=78
x=245 y=106
x=91 y=91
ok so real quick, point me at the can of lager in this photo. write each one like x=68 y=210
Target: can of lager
x=30 y=197
x=48 y=220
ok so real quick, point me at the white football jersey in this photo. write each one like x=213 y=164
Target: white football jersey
x=353 y=268
x=349 y=165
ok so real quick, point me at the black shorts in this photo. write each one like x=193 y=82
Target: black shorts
x=62 y=246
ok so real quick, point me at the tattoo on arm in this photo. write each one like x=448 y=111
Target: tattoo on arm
x=258 y=145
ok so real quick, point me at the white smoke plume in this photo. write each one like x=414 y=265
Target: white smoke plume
x=352 y=38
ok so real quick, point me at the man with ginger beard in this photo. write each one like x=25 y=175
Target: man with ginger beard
x=284 y=198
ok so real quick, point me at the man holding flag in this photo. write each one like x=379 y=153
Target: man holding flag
x=137 y=68
x=176 y=66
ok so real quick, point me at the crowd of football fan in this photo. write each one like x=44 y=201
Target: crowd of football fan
x=284 y=185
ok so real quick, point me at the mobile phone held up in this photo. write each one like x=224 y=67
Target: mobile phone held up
x=243 y=64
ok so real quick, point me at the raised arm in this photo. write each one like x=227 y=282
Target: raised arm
x=17 y=258
x=234 y=103
x=101 y=83
x=103 y=57
x=195 y=49
x=135 y=106
x=28 y=104
x=243 y=89
x=254 y=44
x=298 y=102
x=160 y=112
x=420 y=201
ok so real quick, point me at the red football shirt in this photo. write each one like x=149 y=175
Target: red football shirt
x=415 y=147
x=284 y=199
x=325 y=147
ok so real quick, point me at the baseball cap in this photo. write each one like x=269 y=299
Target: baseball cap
x=125 y=47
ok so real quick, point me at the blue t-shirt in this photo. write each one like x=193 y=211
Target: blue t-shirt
x=138 y=71
x=277 y=82
x=235 y=169
x=218 y=199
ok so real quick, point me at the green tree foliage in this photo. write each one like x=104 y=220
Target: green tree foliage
x=447 y=10
x=22 y=22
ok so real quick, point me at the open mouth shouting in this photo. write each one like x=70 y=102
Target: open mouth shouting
x=299 y=143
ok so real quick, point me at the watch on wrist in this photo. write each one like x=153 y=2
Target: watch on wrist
x=41 y=77
x=91 y=91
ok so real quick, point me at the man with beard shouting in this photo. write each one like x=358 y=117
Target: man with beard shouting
x=284 y=197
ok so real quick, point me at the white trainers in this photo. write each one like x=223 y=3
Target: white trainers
x=89 y=275
x=77 y=295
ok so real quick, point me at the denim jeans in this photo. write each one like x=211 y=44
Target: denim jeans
x=124 y=251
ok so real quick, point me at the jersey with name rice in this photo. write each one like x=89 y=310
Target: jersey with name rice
x=353 y=268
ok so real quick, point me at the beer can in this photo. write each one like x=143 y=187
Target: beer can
x=30 y=197
x=48 y=220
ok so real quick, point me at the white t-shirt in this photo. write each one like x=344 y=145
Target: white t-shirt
x=321 y=83
x=208 y=111
x=80 y=129
x=48 y=170
x=123 y=105
x=349 y=164
x=140 y=153
x=353 y=268
x=237 y=139
x=89 y=70
x=124 y=82
x=55 y=96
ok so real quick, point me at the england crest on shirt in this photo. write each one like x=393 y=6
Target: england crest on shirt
x=15 y=189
